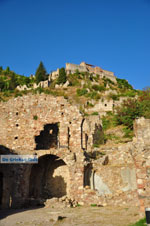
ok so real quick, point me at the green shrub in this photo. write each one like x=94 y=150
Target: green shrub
x=93 y=95
x=47 y=91
x=7 y=93
x=89 y=104
x=62 y=78
x=141 y=222
x=114 y=96
x=128 y=133
x=98 y=88
x=95 y=113
x=106 y=123
x=95 y=145
x=35 y=117
x=39 y=90
x=93 y=205
x=73 y=80
x=123 y=84
x=95 y=87
x=107 y=81
x=81 y=92
x=19 y=94
x=144 y=100
x=127 y=112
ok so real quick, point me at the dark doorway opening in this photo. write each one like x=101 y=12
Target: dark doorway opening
x=1 y=188
x=48 y=137
x=88 y=175
x=49 y=178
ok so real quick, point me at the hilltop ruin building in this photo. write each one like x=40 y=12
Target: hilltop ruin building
x=84 y=67
x=63 y=140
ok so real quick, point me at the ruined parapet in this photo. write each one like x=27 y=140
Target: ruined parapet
x=72 y=68
x=54 y=74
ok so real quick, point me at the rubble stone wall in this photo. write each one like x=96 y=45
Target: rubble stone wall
x=119 y=176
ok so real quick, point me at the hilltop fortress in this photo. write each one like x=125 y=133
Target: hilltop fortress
x=84 y=67
x=71 y=69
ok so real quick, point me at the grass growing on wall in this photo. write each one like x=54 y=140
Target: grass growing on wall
x=141 y=222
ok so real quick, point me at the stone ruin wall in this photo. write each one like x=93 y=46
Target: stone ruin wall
x=18 y=116
x=83 y=67
x=120 y=177
x=102 y=107
x=23 y=120
x=141 y=155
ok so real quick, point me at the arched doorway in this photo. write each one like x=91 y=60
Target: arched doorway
x=49 y=178
x=1 y=188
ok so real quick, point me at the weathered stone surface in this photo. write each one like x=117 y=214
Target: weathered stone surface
x=62 y=138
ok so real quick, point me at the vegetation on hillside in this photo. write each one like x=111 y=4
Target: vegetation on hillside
x=9 y=80
x=62 y=78
x=41 y=74
x=127 y=112
x=83 y=89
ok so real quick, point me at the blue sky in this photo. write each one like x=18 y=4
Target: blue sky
x=112 y=34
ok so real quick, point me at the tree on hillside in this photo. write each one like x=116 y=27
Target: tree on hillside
x=41 y=74
x=62 y=78
x=13 y=83
x=1 y=69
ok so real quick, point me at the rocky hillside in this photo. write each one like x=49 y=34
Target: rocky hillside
x=117 y=103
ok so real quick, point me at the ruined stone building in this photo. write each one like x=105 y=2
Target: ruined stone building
x=84 y=67
x=63 y=140
x=71 y=69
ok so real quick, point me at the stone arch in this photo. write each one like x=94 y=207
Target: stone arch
x=49 y=178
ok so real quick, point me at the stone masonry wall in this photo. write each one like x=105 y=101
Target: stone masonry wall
x=119 y=177
x=23 y=119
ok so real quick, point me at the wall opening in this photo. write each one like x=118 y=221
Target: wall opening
x=1 y=188
x=49 y=178
x=82 y=134
x=98 y=135
x=68 y=137
x=86 y=141
x=88 y=178
x=48 y=137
